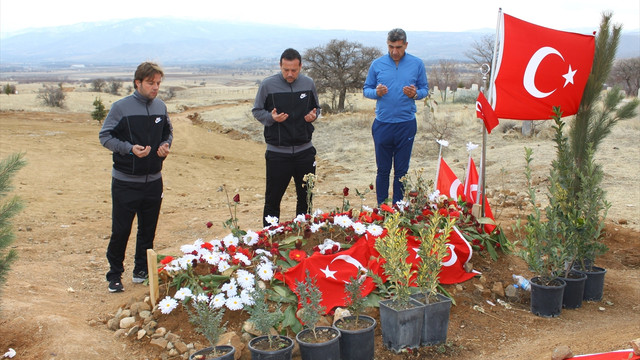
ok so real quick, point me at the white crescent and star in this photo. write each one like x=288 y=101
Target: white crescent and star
x=453 y=190
x=328 y=273
x=528 y=79
x=454 y=257
x=452 y=260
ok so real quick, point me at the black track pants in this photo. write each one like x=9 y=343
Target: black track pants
x=132 y=199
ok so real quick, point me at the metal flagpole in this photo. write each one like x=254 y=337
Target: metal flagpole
x=480 y=194
x=485 y=70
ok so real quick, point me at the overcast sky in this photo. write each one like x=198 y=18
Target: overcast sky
x=423 y=15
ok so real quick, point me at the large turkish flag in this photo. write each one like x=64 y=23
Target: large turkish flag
x=539 y=68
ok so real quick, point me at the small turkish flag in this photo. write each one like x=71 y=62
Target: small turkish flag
x=539 y=68
x=471 y=192
x=448 y=182
x=485 y=112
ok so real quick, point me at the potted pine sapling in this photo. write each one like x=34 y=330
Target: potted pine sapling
x=543 y=242
x=316 y=342
x=208 y=322
x=265 y=316
x=401 y=317
x=357 y=339
x=598 y=113
x=432 y=252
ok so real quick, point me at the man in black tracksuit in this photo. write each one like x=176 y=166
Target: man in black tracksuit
x=139 y=133
x=287 y=104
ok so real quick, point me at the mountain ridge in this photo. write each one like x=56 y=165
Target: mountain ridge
x=172 y=41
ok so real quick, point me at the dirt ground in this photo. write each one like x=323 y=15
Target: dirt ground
x=55 y=302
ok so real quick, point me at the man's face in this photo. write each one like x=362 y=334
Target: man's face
x=397 y=49
x=290 y=69
x=149 y=86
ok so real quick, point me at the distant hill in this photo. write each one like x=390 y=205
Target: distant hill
x=183 y=42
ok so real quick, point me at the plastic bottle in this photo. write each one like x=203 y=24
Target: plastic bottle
x=522 y=282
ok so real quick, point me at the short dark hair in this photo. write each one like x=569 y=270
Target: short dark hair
x=397 y=34
x=145 y=70
x=290 y=54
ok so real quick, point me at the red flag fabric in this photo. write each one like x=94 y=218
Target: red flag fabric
x=485 y=112
x=471 y=192
x=613 y=355
x=452 y=271
x=448 y=183
x=332 y=272
x=540 y=68
x=460 y=252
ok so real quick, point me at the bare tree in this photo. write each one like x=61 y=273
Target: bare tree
x=98 y=84
x=481 y=50
x=338 y=67
x=114 y=87
x=444 y=75
x=52 y=96
x=626 y=74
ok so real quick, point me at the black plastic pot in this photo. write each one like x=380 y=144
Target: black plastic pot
x=328 y=350
x=546 y=300
x=436 y=319
x=357 y=344
x=282 y=353
x=594 y=286
x=401 y=328
x=207 y=353
x=574 y=291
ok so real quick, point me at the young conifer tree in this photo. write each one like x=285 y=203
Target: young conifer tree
x=599 y=111
x=9 y=207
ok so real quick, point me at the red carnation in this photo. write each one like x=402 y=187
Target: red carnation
x=386 y=208
x=297 y=255
x=236 y=198
x=345 y=191
x=166 y=260
x=209 y=224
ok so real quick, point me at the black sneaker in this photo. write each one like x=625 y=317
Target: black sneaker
x=115 y=286
x=139 y=276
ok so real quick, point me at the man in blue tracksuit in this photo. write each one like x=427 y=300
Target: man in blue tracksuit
x=139 y=133
x=287 y=104
x=395 y=81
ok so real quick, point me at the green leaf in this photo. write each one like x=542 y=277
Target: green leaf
x=491 y=250
x=372 y=300
x=283 y=294
x=289 y=242
x=486 y=220
x=290 y=319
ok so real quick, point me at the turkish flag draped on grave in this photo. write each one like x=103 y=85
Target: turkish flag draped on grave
x=538 y=68
x=333 y=271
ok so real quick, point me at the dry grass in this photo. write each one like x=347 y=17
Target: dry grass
x=345 y=148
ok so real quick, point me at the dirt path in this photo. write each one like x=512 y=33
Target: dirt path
x=55 y=301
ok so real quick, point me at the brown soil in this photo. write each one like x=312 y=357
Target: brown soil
x=55 y=302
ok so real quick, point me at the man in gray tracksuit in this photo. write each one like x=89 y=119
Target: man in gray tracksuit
x=139 y=133
x=287 y=104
